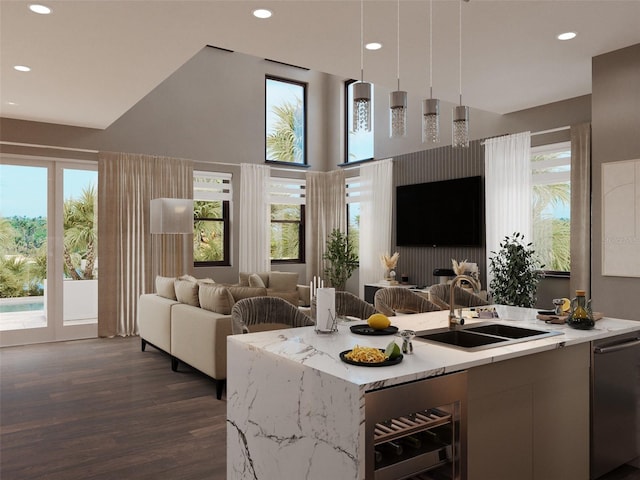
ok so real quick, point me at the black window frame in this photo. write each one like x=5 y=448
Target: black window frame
x=304 y=86
x=226 y=241
x=301 y=238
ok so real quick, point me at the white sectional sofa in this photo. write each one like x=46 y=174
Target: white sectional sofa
x=190 y=320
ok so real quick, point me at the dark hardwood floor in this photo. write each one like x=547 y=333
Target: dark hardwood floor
x=102 y=409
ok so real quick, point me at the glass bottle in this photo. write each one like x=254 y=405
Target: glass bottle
x=580 y=316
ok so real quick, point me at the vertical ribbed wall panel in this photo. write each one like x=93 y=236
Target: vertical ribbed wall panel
x=434 y=165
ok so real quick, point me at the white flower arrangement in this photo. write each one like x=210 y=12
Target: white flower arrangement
x=466 y=268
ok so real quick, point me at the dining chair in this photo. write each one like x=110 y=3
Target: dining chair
x=258 y=314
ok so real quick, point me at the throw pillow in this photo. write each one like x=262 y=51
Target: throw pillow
x=188 y=277
x=256 y=281
x=283 y=281
x=165 y=288
x=243 y=279
x=187 y=292
x=291 y=297
x=246 y=292
x=216 y=299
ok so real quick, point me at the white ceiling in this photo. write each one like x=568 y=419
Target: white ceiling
x=93 y=60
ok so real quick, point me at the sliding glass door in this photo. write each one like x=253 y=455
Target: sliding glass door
x=48 y=250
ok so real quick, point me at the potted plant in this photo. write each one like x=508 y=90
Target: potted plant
x=342 y=260
x=516 y=272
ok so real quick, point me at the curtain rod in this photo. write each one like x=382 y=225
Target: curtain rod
x=53 y=147
x=532 y=134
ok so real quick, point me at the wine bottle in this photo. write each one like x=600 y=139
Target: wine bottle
x=411 y=441
x=393 y=447
x=378 y=455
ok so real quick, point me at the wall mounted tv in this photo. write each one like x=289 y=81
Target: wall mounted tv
x=445 y=213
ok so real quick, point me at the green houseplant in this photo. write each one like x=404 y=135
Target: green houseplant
x=516 y=272
x=342 y=260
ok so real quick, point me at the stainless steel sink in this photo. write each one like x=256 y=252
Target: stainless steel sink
x=480 y=336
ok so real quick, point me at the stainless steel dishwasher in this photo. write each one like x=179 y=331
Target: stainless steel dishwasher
x=615 y=402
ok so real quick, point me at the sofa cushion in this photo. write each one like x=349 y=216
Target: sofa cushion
x=283 y=281
x=239 y=293
x=187 y=292
x=291 y=297
x=256 y=281
x=243 y=278
x=165 y=287
x=216 y=299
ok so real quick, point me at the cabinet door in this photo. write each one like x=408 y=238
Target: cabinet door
x=500 y=435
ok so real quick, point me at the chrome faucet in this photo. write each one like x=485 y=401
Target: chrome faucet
x=454 y=319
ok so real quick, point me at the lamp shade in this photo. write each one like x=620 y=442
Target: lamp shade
x=171 y=215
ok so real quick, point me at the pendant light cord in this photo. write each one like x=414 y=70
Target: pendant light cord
x=362 y=40
x=460 y=48
x=430 y=48
x=398 y=43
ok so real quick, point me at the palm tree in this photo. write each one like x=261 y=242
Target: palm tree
x=208 y=235
x=285 y=143
x=80 y=234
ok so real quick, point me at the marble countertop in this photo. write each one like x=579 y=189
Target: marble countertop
x=320 y=351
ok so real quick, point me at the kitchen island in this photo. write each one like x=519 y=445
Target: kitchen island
x=295 y=410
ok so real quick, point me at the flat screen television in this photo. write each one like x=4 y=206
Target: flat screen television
x=445 y=213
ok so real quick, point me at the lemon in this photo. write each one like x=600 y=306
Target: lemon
x=566 y=305
x=392 y=351
x=378 y=321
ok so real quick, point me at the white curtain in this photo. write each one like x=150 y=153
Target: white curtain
x=254 y=241
x=508 y=182
x=325 y=211
x=375 y=219
x=128 y=252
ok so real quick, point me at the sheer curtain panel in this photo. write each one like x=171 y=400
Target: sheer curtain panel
x=126 y=185
x=507 y=189
x=375 y=219
x=254 y=241
x=325 y=210
x=580 y=208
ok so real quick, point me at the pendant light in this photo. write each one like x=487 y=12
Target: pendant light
x=398 y=99
x=361 y=89
x=430 y=106
x=460 y=130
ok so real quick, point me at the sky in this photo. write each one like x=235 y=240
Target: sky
x=23 y=189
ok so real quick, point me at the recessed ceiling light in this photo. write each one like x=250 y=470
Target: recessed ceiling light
x=11 y=103
x=567 y=36
x=41 y=9
x=22 y=68
x=373 y=46
x=262 y=13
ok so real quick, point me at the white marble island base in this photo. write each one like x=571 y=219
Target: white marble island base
x=286 y=421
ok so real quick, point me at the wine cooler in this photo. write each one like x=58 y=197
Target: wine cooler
x=417 y=430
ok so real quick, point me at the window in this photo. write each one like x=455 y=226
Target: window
x=353 y=187
x=358 y=146
x=211 y=198
x=286 y=126
x=287 y=220
x=551 y=208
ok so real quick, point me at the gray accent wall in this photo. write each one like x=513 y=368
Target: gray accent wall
x=615 y=137
x=433 y=165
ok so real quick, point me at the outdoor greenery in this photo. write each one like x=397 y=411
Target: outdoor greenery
x=551 y=235
x=285 y=142
x=285 y=231
x=208 y=238
x=342 y=260
x=23 y=247
x=516 y=272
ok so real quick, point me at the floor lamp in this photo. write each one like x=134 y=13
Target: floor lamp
x=171 y=217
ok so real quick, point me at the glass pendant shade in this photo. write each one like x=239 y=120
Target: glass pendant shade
x=398 y=114
x=431 y=120
x=361 y=107
x=460 y=133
